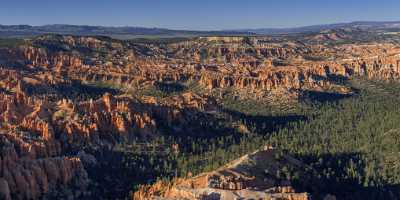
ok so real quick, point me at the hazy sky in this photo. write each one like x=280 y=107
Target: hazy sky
x=196 y=14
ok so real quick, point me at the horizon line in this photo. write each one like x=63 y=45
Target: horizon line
x=205 y=30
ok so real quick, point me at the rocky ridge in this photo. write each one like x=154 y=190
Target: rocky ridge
x=240 y=179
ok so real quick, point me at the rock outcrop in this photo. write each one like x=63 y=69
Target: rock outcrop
x=238 y=179
x=27 y=171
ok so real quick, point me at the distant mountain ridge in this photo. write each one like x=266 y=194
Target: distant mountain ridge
x=127 y=32
x=117 y=32
x=365 y=25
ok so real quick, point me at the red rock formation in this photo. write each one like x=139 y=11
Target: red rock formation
x=27 y=172
x=41 y=127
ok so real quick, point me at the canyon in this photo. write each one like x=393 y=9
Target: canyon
x=61 y=94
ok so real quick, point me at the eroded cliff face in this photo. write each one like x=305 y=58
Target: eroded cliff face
x=227 y=66
x=37 y=131
x=85 y=119
x=31 y=168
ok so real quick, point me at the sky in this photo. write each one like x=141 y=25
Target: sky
x=197 y=14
